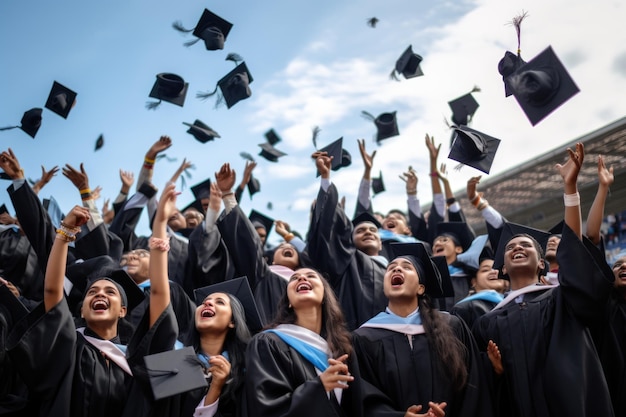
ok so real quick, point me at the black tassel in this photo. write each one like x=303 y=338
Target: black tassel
x=178 y=25
x=183 y=183
x=204 y=96
x=367 y=115
x=189 y=43
x=393 y=75
x=316 y=132
x=9 y=127
x=152 y=105
x=236 y=58
x=476 y=89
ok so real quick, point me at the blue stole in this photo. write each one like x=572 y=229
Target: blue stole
x=205 y=358
x=412 y=324
x=486 y=295
x=315 y=356
x=455 y=270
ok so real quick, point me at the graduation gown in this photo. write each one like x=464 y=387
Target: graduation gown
x=408 y=373
x=551 y=367
x=356 y=277
x=281 y=382
x=68 y=375
x=246 y=251
x=471 y=310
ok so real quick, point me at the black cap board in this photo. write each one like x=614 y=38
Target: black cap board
x=365 y=217
x=409 y=64
x=261 y=220
x=511 y=229
x=542 y=85
x=458 y=230
x=202 y=189
x=174 y=372
x=272 y=137
x=213 y=30
x=254 y=186
x=463 y=109
x=341 y=157
x=235 y=85
x=473 y=148
x=30 y=123
x=269 y=152
x=61 y=100
x=201 y=131
x=378 y=186
x=386 y=125
x=168 y=87
x=240 y=288
x=99 y=142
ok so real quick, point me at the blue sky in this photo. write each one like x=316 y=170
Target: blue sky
x=314 y=64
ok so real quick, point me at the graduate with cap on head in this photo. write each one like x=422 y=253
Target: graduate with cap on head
x=539 y=338
x=423 y=361
x=347 y=251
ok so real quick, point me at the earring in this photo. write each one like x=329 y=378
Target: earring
x=289 y=306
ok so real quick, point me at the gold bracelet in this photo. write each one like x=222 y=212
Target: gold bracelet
x=64 y=235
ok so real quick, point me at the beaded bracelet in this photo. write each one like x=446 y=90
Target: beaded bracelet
x=161 y=244
x=65 y=235
x=571 y=200
x=70 y=229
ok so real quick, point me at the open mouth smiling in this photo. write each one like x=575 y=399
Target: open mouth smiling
x=304 y=286
x=99 y=305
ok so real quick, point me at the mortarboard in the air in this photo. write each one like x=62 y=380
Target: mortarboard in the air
x=386 y=125
x=272 y=137
x=3 y=209
x=372 y=21
x=61 y=100
x=12 y=304
x=365 y=217
x=202 y=189
x=168 y=87
x=511 y=229
x=378 y=186
x=202 y=132
x=99 y=142
x=542 y=85
x=341 y=157
x=240 y=288
x=30 y=123
x=211 y=28
x=261 y=220
x=234 y=86
x=408 y=64
x=458 y=230
x=269 y=152
x=174 y=371
x=254 y=186
x=417 y=251
x=463 y=108
x=512 y=62
x=473 y=148
x=477 y=251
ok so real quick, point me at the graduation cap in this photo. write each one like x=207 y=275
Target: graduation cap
x=365 y=217
x=341 y=157
x=378 y=186
x=557 y=229
x=254 y=186
x=134 y=294
x=463 y=108
x=261 y=220
x=372 y=21
x=542 y=85
x=201 y=131
x=269 y=152
x=408 y=65
x=211 y=28
x=174 y=372
x=61 y=100
x=234 y=86
x=30 y=123
x=99 y=142
x=386 y=125
x=512 y=62
x=11 y=304
x=202 y=190
x=477 y=251
x=168 y=87
x=418 y=254
x=473 y=148
x=460 y=231
x=195 y=204
x=272 y=137
x=511 y=229
x=240 y=288
x=3 y=209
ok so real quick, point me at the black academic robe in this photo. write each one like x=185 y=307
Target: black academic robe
x=246 y=251
x=19 y=264
x=281 y=382
x=551 y=367
x=68 y=375
x=471 y=310
x=356 y=277
x=611 y=343
x=408 y=373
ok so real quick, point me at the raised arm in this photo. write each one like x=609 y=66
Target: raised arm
x=46 y=176
x=433 y=152
x=159 y=247
x=364 y=200
x=147 y=168
x=596 y=212
x=183 y=166
x=55 y=271
x=569 y=172
x=247 y=175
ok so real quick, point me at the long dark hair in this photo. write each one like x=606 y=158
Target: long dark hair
x=334 y=328
x=443 y=341
x=235 y=344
